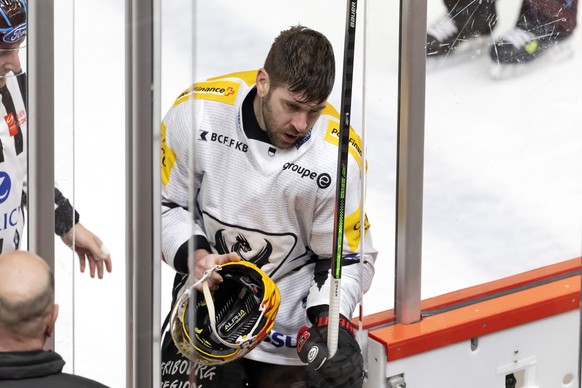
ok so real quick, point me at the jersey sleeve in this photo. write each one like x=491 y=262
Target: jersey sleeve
x=65 y=215
x=177 y=221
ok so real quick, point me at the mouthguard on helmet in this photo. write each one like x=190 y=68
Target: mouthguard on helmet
x=224 y=325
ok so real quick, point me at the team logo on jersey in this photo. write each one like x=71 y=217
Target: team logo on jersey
x=267 y=251
x=257 y=254
x=271 y=151
x=323 y=180
x=224 y=140
x=11 y=123
x=5 y=186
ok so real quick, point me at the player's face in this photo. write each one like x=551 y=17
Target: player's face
x=287 y=119
x=10 y=59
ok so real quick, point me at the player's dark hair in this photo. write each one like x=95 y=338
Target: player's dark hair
x=303 y=60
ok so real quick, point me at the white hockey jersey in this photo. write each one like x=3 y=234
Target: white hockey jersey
x=13 y=164
x=273 y=206
x=14 y=168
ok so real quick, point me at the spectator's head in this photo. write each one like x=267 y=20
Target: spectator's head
x=27 y=309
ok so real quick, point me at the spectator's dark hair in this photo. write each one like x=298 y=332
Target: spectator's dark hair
x=303 y=60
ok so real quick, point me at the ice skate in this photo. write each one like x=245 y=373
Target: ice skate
x=459 y=37
x=521 y=50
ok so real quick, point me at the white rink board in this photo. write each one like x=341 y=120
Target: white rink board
x=542 y=354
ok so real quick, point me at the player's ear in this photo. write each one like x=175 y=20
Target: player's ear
x=263 y=83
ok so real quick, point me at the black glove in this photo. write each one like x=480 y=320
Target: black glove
x=344 y=369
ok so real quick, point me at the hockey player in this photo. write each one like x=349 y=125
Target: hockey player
x=540 y=26
x=263 y=165
x=13 y=153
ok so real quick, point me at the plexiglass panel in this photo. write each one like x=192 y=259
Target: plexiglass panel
x=90 y=172
x=66 y=265
x=503 y=155
x=178 y=68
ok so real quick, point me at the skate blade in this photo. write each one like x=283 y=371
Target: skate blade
x=556 y=54
x=464 y=52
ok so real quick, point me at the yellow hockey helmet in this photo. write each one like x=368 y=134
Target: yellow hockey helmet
x=226 y=324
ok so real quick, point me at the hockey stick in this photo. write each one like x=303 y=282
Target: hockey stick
x=341 y=179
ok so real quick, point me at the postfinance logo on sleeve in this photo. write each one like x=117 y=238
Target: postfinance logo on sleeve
x=221 y=91
x=355 y=144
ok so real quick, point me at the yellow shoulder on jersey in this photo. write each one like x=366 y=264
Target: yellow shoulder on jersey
x=168 y=157
x=351 y=221
x=332 y=136
x=352 y=226
x=222 y=89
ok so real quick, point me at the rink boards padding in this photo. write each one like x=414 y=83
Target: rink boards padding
x=480 y=310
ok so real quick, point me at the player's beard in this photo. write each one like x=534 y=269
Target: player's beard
x=276 y=134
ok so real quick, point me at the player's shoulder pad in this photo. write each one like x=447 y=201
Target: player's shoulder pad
x=222 y=89
x=333 y=130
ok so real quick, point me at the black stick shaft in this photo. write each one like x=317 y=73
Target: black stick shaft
x=342 y=172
